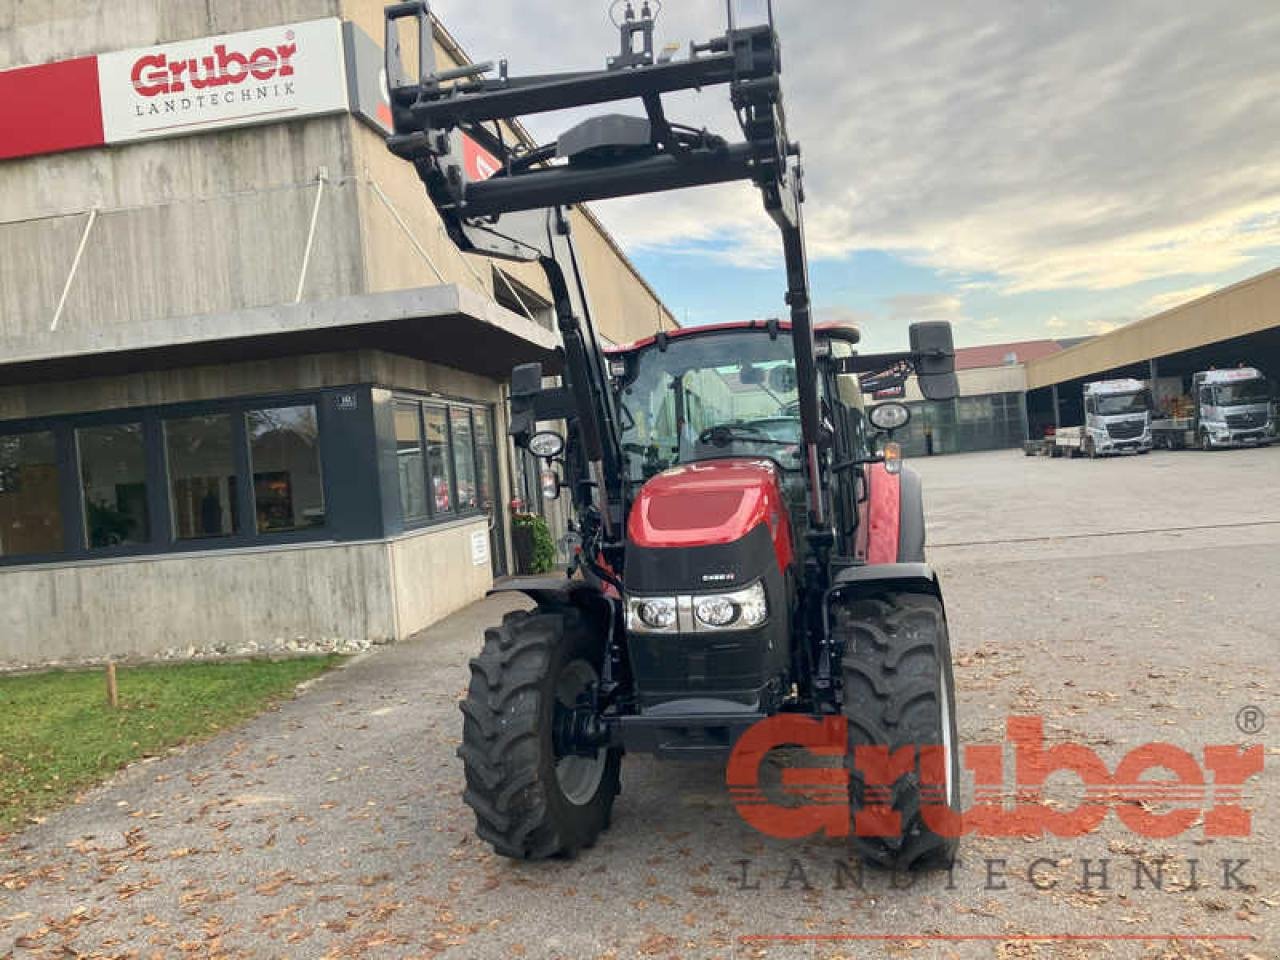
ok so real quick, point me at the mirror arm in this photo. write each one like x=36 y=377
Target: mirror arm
x=844 y=465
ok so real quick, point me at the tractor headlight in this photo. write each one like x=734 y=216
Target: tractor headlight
x=732 y=611
x=740 y=610
x=651 y=614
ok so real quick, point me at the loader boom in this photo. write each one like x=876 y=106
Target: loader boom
x=436 y=114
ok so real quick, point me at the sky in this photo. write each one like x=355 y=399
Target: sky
x=1054 y=169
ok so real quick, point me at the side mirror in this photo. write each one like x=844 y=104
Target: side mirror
x=934 y=355
x=526 y=384
x=782 y=379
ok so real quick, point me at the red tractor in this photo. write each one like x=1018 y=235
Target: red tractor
x=748 y=542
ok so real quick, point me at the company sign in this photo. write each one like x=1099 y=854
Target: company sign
x=277 y=73
x=256 y=76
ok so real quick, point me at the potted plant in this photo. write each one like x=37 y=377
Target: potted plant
x=535 y=552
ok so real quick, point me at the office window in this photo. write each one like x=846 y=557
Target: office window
x=30 y=512
x=486 y=482
x=411 y=461
x=284 y=456
x=113 y=479
x=437 y=424
x=202 y=477
x=464 y=459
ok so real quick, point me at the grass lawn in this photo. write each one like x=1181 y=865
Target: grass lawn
x=58 y=735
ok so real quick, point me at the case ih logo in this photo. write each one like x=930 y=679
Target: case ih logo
x=817 y=797
x=155 y=74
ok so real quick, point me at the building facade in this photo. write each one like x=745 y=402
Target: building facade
x=989 y=412
x=249 y=390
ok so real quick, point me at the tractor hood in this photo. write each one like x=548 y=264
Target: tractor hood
x=712 y=502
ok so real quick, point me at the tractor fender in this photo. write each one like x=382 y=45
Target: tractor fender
x=911 y=537
x=883 y=578
x=549 y=591
x=896 y=505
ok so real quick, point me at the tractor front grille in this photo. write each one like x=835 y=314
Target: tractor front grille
x=1130 y=430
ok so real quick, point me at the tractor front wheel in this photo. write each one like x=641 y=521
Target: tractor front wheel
x=533 y=797
x=899 y=693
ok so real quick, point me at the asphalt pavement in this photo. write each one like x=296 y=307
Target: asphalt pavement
x=1119 y=602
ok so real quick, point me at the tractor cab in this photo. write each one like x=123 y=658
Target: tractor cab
x=707 y=394
x=729 y=392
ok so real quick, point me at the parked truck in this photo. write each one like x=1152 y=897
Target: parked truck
x=1226 y=408
x=1117 y=419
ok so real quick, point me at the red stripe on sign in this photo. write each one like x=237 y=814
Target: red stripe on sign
x=51 y=107
x=480 y=164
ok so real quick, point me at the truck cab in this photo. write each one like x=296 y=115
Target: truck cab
x=1117 y=417
x=1232 y=408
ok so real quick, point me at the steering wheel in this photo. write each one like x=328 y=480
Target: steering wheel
x=721 y=435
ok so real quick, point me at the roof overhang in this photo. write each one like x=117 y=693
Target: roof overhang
x=446 y=324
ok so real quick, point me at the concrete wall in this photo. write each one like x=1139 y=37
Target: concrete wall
x=59 y=29
x=377 y=592
x=195 y=225
x=433 y=574
x=1235 y=311
x=141 y=607
x=216 y=381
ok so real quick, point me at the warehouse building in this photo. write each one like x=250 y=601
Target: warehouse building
x=1237 y=325
x=248 y=388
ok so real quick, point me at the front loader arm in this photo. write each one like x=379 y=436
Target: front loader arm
x=442 y=115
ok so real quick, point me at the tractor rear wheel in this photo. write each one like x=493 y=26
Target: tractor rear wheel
x=899 y=692
x=531 y=799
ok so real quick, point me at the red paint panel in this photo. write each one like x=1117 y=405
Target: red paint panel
x=51 y=107
x=885 y=507
x=715 y=501
x=480 y=164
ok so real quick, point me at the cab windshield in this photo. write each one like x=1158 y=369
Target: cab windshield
x=1241 y=392
x=1112 y=405
x=711 y=396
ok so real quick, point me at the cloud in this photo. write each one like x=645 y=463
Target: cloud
x=1176 y=298
x=988 y=324
x=925 y=306
x=1085 y=145
x=1056 y=324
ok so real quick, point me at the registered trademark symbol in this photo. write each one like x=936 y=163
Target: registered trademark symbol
x=1251 y=720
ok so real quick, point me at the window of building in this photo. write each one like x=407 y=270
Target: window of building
x=284 y=453
x=464 y=459
x=30 y=512
x=518 y=298
x=486 y=458
x=411 y=461
x=437 y=425
x=202 y=477
x=113 y=480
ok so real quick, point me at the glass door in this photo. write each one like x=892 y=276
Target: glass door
x=488 y=495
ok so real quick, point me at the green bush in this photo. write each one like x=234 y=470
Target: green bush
x=541 y=550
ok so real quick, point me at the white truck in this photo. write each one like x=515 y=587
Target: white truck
x=1117 y=419
x=1227 y=408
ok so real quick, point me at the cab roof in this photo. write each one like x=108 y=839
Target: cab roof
x=842 y=331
